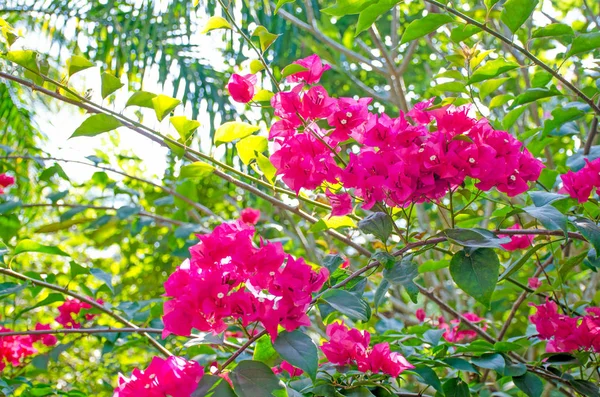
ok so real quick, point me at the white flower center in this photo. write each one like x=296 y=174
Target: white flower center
x=506 y=141
x=348 y=114
x=321 y=96
x=220 y=295
x=513 y=178
x=343 y=122
x=472 y=160
x=271 y=273
x=421 y=150
x=432 y=158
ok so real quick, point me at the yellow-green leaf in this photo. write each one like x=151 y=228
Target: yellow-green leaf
x=142 y=99
x=490 y=86
x=516 y=12
x=264 y=37
x=216 y=23
x=97 y=124
x=78 y=63
x=256 y=66
x=423 y=26
x=267 y=168
x=25 y=58
x=33 y=246
x=233 y=130
x=184 y=126
x=369 y=15
x=110 y=84
x=281 y=3
x=584 y=43
x=492 y=69
x=163 y=105
x=199 y=169
x=292 y=69
x=263 y=96
x=249 y=147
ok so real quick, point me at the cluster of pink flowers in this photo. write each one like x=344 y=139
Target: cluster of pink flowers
x=229 y=277
x=517 y=242
x=174 y=377
x=399 y=161
x=72 y=311
x=565 y=333
x=453 y=332
x=250 y=216
x=287 y=367
x=14 y=349
x=5 y=181
x=580 y=184
x=350 y=346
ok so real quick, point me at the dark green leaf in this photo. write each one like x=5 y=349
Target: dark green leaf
x=516 y=12
x=455 y=387
x=493 y=361
x=347 y=304
x=460 y=364
x=332 y=262
x=423 y=26
x=9 y=288
x=534 y=94
x=213 y=386
x=516 y=265
x=299 y=350
x=403 y=273
x=586 y=388
x=104 y=277
x=380 y=293
x=254 y=379
x=378 y=224
x=358 y=392
x=529 y=384
x=475 y=238
x=476 y=272
x=429 y=377
x=549 y=216
x=97 y=124
x=589 y=230
x=541 y=199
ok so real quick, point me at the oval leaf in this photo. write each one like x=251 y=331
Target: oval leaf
x=97 y=124
x=233 y=130
x=476 y=272
x=421 y=27
x=299 y=350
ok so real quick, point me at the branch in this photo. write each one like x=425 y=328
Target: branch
x=591 y=135
x=102 y=308
x=522 y=50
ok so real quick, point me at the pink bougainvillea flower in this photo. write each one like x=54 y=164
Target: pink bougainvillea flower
x=315 y=70
x=534 y=283
x=341 y=203
x=48 y=339
x=381 y=359
x=420 y=314
x=5 y=181
x=174 y=377
x=287 y=367
x=250 y=215
x=453 y=332
x=70 y=310
x=579 y=185
x=517 y=242
x=241 y=88
x=14 y=349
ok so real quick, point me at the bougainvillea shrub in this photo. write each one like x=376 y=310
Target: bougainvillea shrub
x=351 y=223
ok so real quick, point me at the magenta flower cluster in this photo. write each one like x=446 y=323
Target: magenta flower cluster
x=415 y=157
x=228 y=277
x=579 y=185
x=566 y=333
x=351 y=347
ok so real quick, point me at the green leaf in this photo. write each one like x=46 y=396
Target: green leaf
x=184 y=126
x=584 y=43
x=500 y=100
x=451 y=86
x=358 y=392
x=76 y=269
x=254 y=379
x=142 y=99
x=549 y=216
x=378 y=224
x=299 y=350
x=403 y=273
x=78 y=63
x=492 y=69
x=248 y=147
x=292 y=69
x=9 y=288
x=216 y=23
x=97 y=124
x=461 y=33
x=460 y=364
x=493 y=361
x=233 y=130
x=347 y=304
x=196 y=170
x=263 y=96
x=475 y=238
x=585 y=387
x=110 y=84
x=256 y=66
x=490 y=3
x=534 y=94
x=281 y=3
x=332 y=262
x=33 y=246
x=164 y=105
x=540 y=79
x=24 y=58
x=553 y=30
x=265 y=352
x=213 y=386
x=267 y=168
x=511 y=117
x=515 y=266
x=429 y=377
x=369 y=15
x=529 y=384
x=489 y=86
x=455 y=387
x=103 y=276
x=265 y=38
x=516 y=12
x=423 y=26
x=380 y=292
x=347 y=7
x=589 y=230
x=476 y=272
